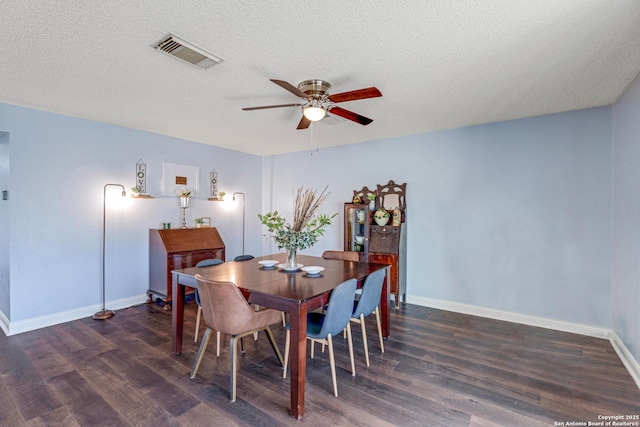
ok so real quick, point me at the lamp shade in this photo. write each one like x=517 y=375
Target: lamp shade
x=314 y=113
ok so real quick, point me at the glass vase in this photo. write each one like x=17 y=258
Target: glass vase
x=291 y=258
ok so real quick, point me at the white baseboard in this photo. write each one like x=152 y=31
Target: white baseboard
x=626 y=357
x=18 y=327
x=623 y=352
x=4 y=323
x=508 y=316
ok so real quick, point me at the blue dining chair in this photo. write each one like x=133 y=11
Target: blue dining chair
x=322 y=327
x=244 y=258
x=205 y=263
x=368 y=304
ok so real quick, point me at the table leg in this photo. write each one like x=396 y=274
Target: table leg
x=177 y=315
x=298 y=357
x=384 y=305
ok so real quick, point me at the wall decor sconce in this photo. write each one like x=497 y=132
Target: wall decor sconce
x=104 y=314
x=213 y=183
x=141 y=176
x=141 y=181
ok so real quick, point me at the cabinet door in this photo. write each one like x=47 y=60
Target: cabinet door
x=356 y=227
x=391 y=259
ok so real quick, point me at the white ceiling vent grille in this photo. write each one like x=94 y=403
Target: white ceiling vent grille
x=187 y=52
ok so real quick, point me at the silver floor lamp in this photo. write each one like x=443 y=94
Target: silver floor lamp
x=104 y=313
x=244 y=198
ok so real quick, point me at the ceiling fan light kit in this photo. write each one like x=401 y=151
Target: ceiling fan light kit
x=316 y=101
x=314 y=111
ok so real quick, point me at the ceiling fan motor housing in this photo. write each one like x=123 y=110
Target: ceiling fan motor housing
x=315 y=88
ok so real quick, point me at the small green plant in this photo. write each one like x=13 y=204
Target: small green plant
x=381 y=213
x=221 y=195
x=371 y=197
x=137 y=189
x=198 y=220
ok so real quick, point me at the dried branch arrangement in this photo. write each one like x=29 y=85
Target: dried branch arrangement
x=306 y=205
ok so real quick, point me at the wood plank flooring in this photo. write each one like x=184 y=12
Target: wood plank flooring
x=439 y=369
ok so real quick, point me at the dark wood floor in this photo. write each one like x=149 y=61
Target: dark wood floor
x=439 y=368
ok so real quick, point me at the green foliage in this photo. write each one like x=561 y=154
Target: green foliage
x=286 y=237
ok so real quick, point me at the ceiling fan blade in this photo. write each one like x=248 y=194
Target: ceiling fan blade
x=370 y=92
x=264 y=107
x=304 y=123
x=291 y=88
x=350 y=115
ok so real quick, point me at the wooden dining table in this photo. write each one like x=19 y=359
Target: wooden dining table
x=295 y=293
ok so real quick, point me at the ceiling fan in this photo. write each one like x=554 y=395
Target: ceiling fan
x=316 y=101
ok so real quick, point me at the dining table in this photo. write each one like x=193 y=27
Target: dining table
x=294 y=292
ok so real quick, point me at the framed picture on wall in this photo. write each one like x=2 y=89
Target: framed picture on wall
x=176 y=177
x=206 y=221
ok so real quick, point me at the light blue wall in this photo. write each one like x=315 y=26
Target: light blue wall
x=59 y=166
x=512 y=216
x=626 y=218
x=4 y=226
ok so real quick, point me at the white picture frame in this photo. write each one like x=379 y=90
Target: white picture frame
x=175 y=177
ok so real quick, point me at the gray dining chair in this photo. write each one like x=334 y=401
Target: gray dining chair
x=226 y=310
x=322 y=327
x=368 y=304
x=244 y=258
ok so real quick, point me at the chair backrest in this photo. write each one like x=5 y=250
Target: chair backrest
x=339 y=308
x=224 y=307
x=343 y=255
x=205 y=263
x=208 y=262
x=370 y=297
x=243 y=257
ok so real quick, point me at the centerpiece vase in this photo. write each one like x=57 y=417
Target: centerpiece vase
x=291 y=258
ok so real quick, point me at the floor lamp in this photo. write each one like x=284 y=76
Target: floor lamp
x=104 y=313
x=243 y=203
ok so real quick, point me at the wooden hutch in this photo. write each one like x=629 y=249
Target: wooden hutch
x=383 y=244
x=174 y=249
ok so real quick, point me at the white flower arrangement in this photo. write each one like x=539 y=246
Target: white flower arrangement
x=184 y=192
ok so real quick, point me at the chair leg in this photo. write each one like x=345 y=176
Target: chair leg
x=274 y=345
x=284 y=320
x=377 y=312
x=363 y=329
x=332 y=363
x=350 y=342
x=195 y=338
x=287 y=344
x=201 y=350
x=233 y=357
x=217 y=344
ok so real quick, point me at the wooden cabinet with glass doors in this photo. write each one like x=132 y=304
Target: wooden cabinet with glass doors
x=357 y=223
x=384 y=244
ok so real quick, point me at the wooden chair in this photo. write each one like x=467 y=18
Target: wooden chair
x=322 y=327
x=226 y=310
x=343 y=255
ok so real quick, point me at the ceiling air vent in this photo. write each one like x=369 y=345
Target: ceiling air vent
x=187 y=52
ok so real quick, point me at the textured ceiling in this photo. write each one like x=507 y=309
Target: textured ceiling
x=439 y=64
